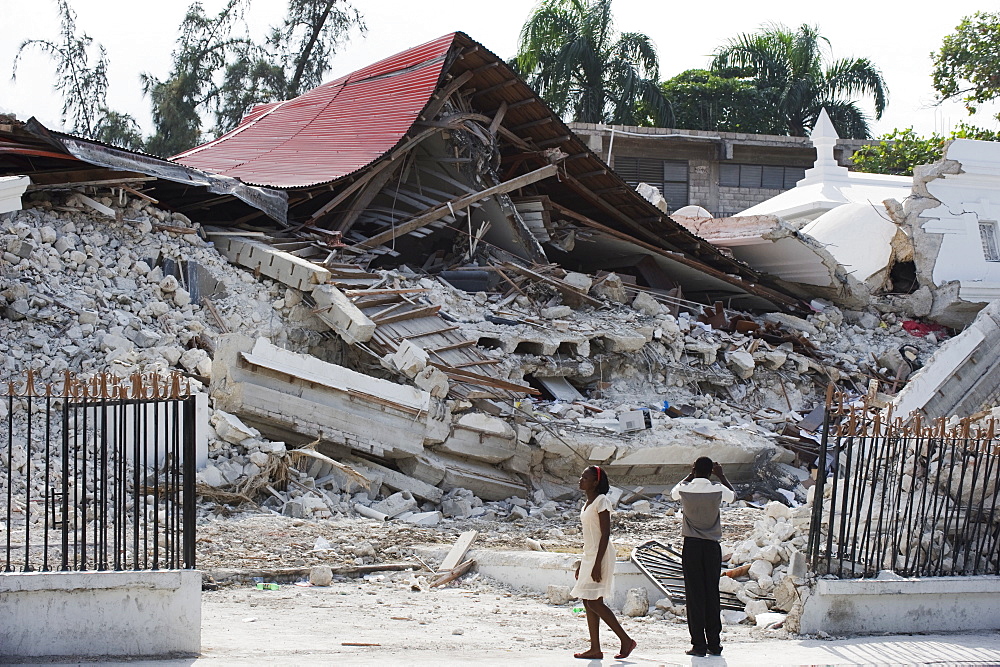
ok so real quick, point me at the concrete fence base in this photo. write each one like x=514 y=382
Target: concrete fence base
x=934 y=604
x=535 y=571
x=100 y=613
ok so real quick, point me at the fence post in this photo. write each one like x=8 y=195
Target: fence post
x=189 y=499
x=816 y=522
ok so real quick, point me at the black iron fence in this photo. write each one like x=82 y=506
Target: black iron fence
x=916 y=498
x=97 y=474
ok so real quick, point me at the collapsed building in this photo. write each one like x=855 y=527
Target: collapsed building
x=447 y=249
x=413 y=293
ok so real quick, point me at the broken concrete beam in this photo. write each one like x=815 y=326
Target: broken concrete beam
x=398 y=481
x=273 y=263
x=481 y=437
x=336 y=310
x=483 y=479
x=659 y=456
x=288 y=392
x=423 y=468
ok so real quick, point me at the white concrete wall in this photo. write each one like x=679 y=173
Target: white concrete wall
x=935 y=604
x=100 y=613
x=967 y=199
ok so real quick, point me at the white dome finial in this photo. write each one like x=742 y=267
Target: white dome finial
x=824 y=138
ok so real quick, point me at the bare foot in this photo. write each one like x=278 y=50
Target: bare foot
x=592 y=654
x=627 y=648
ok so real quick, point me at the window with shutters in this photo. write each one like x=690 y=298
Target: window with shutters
x=988 y=235
x=768 y=177
x=670 y=176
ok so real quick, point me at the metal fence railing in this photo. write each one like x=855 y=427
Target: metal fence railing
x=918 y=499
x=97 y=474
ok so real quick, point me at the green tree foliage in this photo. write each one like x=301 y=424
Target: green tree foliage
x=968 y=64
x=703 y=100
x=218 y=68
x=571 y=54
x=899 y=151
x=795 y=74
x=82 y=81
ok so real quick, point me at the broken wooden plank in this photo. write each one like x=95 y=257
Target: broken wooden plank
x=483 y=380
x=454 y=574
x=425 y=311
x=96 y=205
x=430 y=333
x=215 y=314
x=439 y=212
x=458 y=550
x=498 y=118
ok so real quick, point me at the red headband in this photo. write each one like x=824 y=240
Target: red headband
x=598 y=469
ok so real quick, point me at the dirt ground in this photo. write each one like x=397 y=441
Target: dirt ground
x=273 y=541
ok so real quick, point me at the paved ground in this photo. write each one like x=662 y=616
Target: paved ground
x=477 y=622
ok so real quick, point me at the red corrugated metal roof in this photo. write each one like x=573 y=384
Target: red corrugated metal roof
x=330 y=131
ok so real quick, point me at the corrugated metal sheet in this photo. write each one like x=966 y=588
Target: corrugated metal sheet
x=330 y=131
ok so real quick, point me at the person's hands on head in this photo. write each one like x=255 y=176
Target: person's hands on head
x=717 y=469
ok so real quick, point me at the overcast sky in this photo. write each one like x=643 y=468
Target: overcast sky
x=139 y=36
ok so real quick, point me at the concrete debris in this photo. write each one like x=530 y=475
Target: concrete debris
x=636 y=602
x=310 y=428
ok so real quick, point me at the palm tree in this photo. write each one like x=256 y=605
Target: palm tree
x=570 y=54
x=796 y=75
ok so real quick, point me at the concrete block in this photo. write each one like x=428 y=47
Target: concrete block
x=624 y=342
x=396 y=504
x=636 y=603
x=273 y=263
x=321 y=575
x=556 y=594
x=90 y=614
x=426 y=469
x=341 y=315
x=294 y=509
x=456 y=507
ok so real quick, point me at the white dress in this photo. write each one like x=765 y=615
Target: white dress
x=586 y=588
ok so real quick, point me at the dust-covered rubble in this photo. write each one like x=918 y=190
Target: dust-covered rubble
x=86 y=294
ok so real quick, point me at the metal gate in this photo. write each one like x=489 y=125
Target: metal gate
x=98 y=473
x=920 y=499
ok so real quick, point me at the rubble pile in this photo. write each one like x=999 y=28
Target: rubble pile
x=144 y=292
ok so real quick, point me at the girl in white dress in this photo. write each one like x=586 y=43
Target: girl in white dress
x=595 y=573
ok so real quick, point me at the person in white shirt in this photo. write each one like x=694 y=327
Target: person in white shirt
x=702 y=555
x=595 y=573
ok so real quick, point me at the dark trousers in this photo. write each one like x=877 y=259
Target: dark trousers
x=702 y=561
